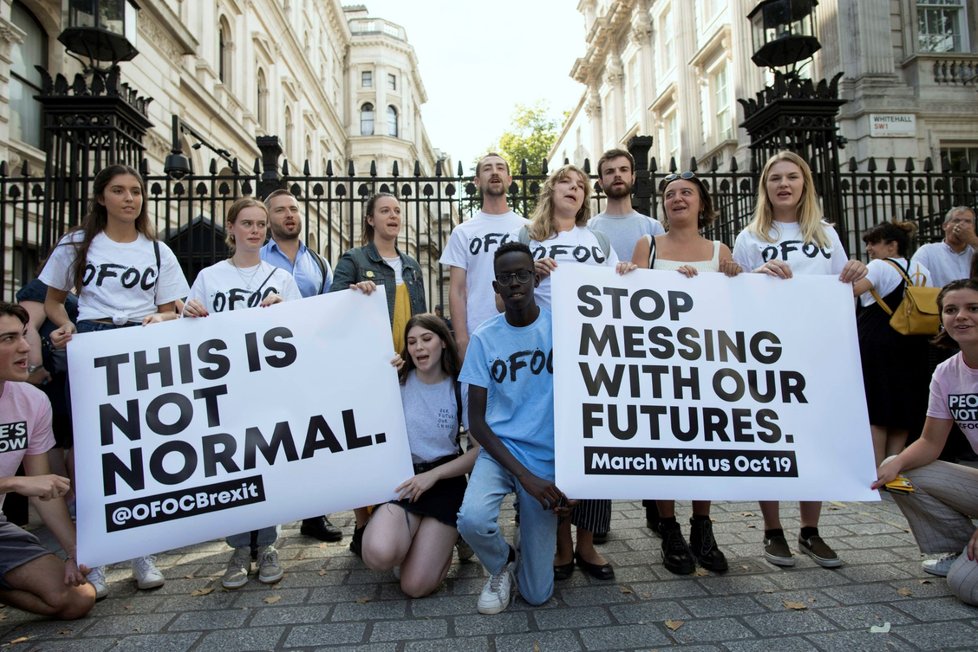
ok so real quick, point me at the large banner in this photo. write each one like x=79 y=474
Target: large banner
x=196 y=429
x=708 y=387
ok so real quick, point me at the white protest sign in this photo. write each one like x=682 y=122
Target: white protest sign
x=708 y=388
x=196 y=429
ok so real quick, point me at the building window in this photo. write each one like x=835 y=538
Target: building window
x=289 y=131
x=392 y=81
x=392 y=121
x=367 y=79
x=634 y=85
x=25 y=80
x=225 y=46
x=670 y=138
x=262 y=100
x=367 y=120
x=942 y=26
x=720 y=92
x=667 y=42
x=955 y=154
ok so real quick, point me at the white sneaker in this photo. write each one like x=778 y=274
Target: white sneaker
x=496 y=593
x=146 y=574
x=269 y=570
x=239 y=566
x=941 y=565
x=96 y=577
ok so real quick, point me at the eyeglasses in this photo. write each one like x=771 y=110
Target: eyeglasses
x=669 y=178
x=522 y=276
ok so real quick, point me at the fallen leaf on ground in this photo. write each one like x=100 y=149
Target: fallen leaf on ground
x=199 y=592
x=794 y=605
x=188 y=577
x=536 y=646
x=747 y=513
x=751 y=527
x=904 y=591
x=362 y=600
x=19 y=639
x=926 y=582
x=769 y=590
x=880 y=629
x=701 y=572
x=674 y=624
x=322 y=572
x=625 y=589
x=272 y=599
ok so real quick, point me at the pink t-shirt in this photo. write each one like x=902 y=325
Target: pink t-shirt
x=25 y=426
x=954 y=395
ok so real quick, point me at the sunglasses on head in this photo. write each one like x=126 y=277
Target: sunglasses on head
x=679 y=175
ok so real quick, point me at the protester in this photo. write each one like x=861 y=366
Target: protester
x=379 y=262
x=944 y=499
x=415 y=534
x=688 y=208
x=31 y=578
x=894 y=365
x=469 y=253
x=558 y=234
x=313 y=276
x=624 y=227
x=787 y=236
x=951 y=258
x=513 y=420
x=123 y=277
x=244 y=281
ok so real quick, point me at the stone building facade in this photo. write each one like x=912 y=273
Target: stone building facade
x=674 y=69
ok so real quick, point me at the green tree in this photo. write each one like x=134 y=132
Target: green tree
x=530 y=137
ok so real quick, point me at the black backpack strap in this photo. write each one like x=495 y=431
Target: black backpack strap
x=322 y=268
x=159 y=267
x=274 y=269
x=458 y=410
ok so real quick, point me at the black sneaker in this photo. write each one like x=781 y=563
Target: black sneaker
x=777 y=552
x=675 y=552
x=320 y=528
x=356 y=541
x=819 y=551
x=704 y=546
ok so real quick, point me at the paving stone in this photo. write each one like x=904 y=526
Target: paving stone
x=673 y=589
x=169 y=642
x=813 y=599
x=596 y=595
x=645 y=613
x=209 y=620
x=477 y=644
x=243 y=640
x=864 y=593
x=402 y=630
x=781 y=644
x=385 y=610
x=709 y=630
x=290 y=615
x=937 y=609
x=938 y=636
x=725 y=606
x=335 y=633
x=507 y=622
x=857 y=642
x=788 y=622
x=570 y=617
x=565 y=641
x=865 y=616
x=442 y=606
x=126 y=625
x=622 y=637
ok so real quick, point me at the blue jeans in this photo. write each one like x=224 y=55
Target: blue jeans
x=266 y=537
x=478 y=523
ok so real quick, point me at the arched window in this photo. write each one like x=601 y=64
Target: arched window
x=392 y=121
x=225 y=47
x=367 y=119
x=262 y=107
x=25 y=80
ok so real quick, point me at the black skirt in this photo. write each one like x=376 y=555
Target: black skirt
x=443 y=500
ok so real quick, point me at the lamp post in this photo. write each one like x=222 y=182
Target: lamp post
x=99 y=30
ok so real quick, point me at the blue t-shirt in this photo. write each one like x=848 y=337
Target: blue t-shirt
x=515 y=365
x=308 y=270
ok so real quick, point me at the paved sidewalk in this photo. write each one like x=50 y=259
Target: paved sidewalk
x=329 y=600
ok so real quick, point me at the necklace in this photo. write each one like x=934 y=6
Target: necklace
x=247 y=279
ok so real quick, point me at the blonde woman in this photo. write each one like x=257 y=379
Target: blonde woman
x=788 y=236
x=558 y=235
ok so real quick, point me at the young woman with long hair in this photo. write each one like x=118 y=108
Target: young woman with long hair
x=379 y=261
x=244 y=281
x=416 y=533
x=894 y=365
x=945 y=495
x=788 y=236
x=123 y=276
x=557 y=234
x=688 y=209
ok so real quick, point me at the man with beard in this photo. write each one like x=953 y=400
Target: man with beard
x=313 y=275
x=470 y=250
x=624 y=227
x=622 y=224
